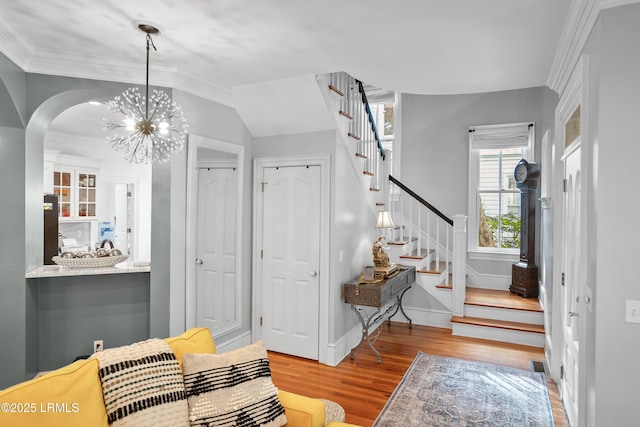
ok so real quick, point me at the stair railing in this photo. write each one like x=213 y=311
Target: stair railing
x=416 y=218
x=362 y=126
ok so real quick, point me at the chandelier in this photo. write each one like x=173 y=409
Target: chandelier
x=151 y=128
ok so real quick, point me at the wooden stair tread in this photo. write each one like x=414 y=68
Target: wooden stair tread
x=347 y=115
x=500 y=299
x=354 y=136
x=404 y=241
x=336 y=90
x=417 y=254
x=502 y=324
x=434 y=268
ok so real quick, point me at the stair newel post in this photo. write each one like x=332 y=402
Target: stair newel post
x=459 y=264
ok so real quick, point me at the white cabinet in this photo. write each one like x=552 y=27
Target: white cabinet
x=76 y=190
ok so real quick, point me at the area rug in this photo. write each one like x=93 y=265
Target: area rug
x=440 y=391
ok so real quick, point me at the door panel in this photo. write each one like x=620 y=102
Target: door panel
x=290 y=259
x=216 y=305
x=573 y=284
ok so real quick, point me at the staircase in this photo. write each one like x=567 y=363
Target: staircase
x=500 y=316
x=423 y=236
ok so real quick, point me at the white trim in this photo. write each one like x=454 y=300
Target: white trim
x=576 y=93
x=196 y=141
x=498 y=256
x=581 y=18
x=325 y=294
x=234 y=343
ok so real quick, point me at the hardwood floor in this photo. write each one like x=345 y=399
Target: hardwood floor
x=362 y=386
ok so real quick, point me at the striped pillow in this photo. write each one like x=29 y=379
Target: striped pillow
x=142 y=385
x=232 y=389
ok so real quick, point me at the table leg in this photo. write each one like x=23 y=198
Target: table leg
x=399 y=307
x=365 y=330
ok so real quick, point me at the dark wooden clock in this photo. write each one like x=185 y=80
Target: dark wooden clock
x=524 y=273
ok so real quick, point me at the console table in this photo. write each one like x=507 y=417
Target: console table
x=379 y=295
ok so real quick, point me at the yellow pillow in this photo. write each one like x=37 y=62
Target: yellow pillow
x=196 y=340
x=69 y=396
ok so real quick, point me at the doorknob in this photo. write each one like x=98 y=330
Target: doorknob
x=198 y=261
x=313 y=273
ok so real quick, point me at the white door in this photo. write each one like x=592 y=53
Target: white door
x=291 y=259
x=122 y=206
x=216 y=299
x=572 y=284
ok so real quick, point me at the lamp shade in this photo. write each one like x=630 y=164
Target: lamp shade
x=384 y=220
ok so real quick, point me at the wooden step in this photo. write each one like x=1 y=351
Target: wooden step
x=417 y=254
x=500 y=324
x=372 y=188
x=362 y=156
x=500 y=299
x=404 y=241
x=368 y=173
x=433 y=268
x=345 y=114
x=336 y=90
x=354 y=136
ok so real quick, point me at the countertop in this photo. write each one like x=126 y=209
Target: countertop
x=59 y=271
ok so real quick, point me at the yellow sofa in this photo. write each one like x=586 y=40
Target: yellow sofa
x=72 y=395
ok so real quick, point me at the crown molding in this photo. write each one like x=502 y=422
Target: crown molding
x=13 y=43
x=581 y=18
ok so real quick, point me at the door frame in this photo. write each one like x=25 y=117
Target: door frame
x=575 y=94
x=323 y=161
x=195 y=142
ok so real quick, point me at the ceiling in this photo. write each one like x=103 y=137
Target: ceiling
x=410 y=46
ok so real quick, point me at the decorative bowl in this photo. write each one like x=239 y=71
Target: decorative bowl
x=108 y=261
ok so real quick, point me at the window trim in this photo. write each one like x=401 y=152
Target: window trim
x=473 y=250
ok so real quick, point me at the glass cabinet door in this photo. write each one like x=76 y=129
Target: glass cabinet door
x=76 y=199
x=62 y=187
x=86 y=195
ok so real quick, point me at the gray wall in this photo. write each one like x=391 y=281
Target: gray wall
x=612 y=345
x=74 y=311
x=216 y=121
x=45 y=323
x=435 y=143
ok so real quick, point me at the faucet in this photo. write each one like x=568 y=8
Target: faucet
x=111 y=245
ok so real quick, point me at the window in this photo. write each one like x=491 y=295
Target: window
x=494 y=199
x=384 y=115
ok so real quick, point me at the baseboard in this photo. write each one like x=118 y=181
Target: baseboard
x=337 y=351
x=234 y=343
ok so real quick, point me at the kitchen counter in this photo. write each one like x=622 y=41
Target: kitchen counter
x=59 y=271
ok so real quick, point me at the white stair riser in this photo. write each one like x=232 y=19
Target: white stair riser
x=521 y=316
x=428 y=284
x=498 y=334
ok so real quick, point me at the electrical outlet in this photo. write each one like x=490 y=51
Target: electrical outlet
x=98 y=345
x=632 y=311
